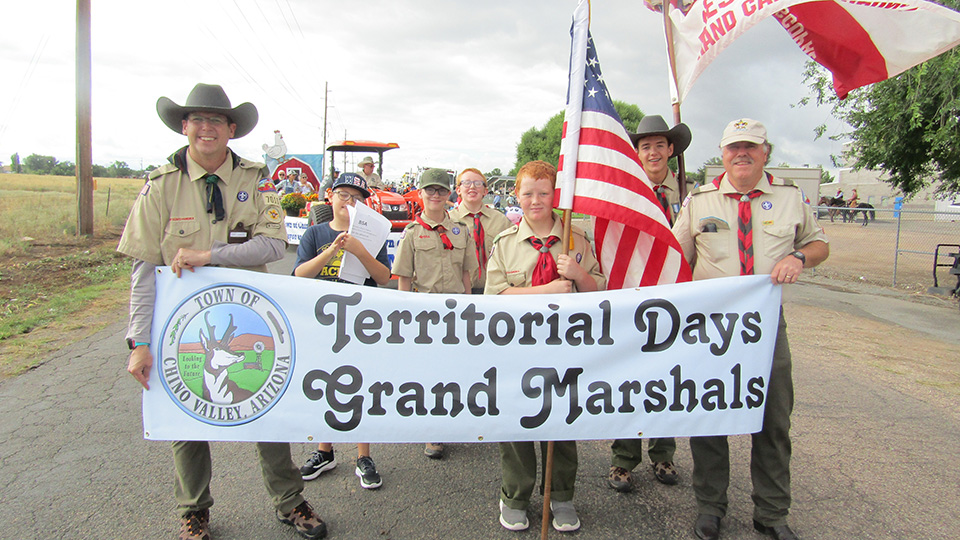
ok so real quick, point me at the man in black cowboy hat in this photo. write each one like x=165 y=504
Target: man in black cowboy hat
x=656 y=143
x=208 y=206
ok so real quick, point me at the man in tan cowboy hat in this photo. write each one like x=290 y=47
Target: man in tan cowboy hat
x=208 y=206
x=656 y=143
x=366 y=166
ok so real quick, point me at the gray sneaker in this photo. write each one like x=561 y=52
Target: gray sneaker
x=564 y=516
x=512 y=519
x=367 y=472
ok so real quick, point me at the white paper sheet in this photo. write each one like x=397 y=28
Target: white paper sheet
x=371 y=229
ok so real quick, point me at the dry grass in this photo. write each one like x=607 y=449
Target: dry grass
x=43 y=209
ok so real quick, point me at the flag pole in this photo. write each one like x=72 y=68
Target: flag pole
x=671 y=58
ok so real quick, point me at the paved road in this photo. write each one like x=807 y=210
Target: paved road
x=872 y=459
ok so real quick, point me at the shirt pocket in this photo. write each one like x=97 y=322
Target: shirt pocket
x=777 y=241
x=715 y=244
x=517 y=279
x=182 y=229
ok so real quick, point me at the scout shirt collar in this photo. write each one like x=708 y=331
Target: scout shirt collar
x=196 y=172
x=524 y=230
x=432 y=223
x=724 y=186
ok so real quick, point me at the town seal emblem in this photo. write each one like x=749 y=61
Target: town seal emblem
x=226 y=354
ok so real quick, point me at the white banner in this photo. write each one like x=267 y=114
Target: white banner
x=243 y=356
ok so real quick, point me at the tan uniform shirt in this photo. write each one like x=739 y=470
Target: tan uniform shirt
x=170 y=212
x=493 y=223
x=781 y=221
x=513 y=257
x=373 y=181
x=671 y=190
x=433 y=269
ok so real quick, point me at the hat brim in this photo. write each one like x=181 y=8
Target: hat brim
x=679 y=136
x=755 y=139
x=245 y=115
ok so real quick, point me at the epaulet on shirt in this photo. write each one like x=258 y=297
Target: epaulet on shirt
x=507 y=232
x=783 y=182
x=577 y=230
x=166 y=168
x=702 y=189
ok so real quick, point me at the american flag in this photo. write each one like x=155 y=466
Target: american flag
x=600 y=175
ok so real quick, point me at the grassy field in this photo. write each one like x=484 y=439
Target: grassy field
x=56 y=287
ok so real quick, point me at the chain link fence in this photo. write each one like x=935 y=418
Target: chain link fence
x=894 y=247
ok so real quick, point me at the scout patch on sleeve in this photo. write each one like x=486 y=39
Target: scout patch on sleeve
x=273 y=215
x=266 y=186
x=271 y=199
x=686 y=201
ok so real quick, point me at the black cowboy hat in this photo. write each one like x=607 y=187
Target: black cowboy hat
x=653 y=124
x=208 y=98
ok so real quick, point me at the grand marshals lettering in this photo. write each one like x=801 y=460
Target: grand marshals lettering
x=658 y=321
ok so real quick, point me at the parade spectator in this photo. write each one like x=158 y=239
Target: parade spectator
x=529 y=259
x=319 y=256
x=436 y=254
x=655 y=143
x=767 y=223
x=366 y=167
x=211 y=190
x=484 y=222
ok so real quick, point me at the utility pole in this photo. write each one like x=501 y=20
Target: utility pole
x=84 y=138
x=326 y=92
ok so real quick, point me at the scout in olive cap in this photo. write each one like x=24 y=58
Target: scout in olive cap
x=434 y=177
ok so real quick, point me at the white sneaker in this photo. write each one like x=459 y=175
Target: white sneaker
x=512 y=519
x=564 y=516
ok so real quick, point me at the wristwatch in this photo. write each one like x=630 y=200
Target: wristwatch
x=801 y=256
x=131 y=344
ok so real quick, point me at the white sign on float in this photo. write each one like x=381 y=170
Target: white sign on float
x=241 y=358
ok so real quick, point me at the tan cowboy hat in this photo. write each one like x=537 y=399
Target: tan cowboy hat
x=208 y=98
x=366 y=161
x=653 y=124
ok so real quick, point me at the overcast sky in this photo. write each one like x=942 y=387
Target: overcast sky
x=454 y=83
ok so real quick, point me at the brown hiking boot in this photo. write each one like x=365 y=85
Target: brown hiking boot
x=195 y=525
x=307 y=523
x=665 y=472
x=620 y=479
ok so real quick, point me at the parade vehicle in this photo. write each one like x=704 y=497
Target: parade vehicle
x=399 y=209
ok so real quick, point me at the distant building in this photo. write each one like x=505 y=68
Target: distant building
x=873 y=188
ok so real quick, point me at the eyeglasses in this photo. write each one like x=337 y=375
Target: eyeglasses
x=215 y=121
x=346 y=196
x=472 y=183
x=434 y=190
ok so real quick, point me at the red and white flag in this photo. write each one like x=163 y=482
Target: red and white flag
x=600 y=175
x=859 y=41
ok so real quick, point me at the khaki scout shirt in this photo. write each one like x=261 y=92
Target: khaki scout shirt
x=433 y=269
x=170 y=212
x=513 y=257
x=493 y=223
x=781 y=221
x=672 y=192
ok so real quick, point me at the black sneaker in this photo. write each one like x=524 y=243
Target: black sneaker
x=319 y=462
x=367 y=472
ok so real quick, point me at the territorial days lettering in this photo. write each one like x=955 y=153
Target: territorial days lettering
x=535 y=327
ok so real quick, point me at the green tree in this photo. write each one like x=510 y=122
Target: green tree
x=65 y=168
x=495 y=172
x=37 y=164
x=120 y=169
x=544 y=143
x=15 y=165
x=825 y=176
x=100 y=171
x=700 y=177
x=907 y=126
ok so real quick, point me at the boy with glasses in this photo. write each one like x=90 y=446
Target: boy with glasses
x=484 y=222
x=436 y=254
x=319 y=256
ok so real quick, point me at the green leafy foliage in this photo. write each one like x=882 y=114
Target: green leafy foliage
x=544 y=143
